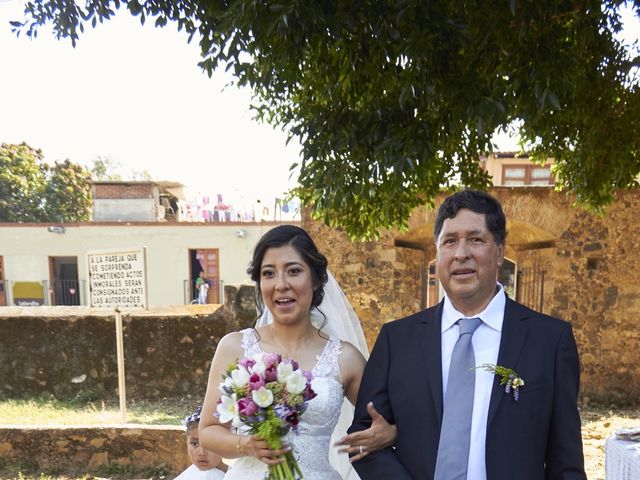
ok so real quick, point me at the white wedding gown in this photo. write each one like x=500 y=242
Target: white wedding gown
x=312 y=442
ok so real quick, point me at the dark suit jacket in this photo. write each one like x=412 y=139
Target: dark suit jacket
x=535 y=438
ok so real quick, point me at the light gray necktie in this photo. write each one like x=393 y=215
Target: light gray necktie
x=455 y=434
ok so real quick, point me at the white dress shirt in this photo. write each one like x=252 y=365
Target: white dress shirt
x=486 y=343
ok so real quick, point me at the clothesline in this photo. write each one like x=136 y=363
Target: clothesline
x=207 y=208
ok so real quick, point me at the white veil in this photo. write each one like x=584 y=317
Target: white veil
x=341 y=323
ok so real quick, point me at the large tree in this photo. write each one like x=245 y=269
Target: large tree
x=33 y=191
x=394 y=101
x=67 y=193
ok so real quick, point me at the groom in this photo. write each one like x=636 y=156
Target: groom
x=456 y=422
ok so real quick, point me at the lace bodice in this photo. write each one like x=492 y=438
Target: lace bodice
x=312 y=441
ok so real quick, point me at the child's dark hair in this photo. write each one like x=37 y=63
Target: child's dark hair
x=192 y=420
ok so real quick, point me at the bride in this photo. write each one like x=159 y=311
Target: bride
x=305 y=317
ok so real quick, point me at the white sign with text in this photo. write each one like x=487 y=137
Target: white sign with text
x=118 y=278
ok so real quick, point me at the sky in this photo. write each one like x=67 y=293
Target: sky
x=136 y=95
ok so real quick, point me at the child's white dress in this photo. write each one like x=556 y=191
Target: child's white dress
x=194 y=473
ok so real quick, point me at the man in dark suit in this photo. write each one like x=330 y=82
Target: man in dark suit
x=533 y=435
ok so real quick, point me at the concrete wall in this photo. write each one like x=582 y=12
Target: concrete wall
x=130 y=210
x=26 y=249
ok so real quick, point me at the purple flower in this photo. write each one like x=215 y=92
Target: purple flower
x=281 y=411
x=292 y=419
x=507 y=387
x=271 y=374
x=247 y=363
x=308 y=394
x=307 y=374
x=246 y=407
x=256 y=382
x=271 y=359
x=294 y=365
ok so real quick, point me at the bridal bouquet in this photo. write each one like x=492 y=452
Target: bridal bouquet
x=268 y=394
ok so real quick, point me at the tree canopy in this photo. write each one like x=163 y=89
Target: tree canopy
x=104 y=168
x=394 y=101
x=33 y=191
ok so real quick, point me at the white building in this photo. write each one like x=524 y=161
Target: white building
x=47 y=263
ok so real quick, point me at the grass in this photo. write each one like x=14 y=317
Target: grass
x=598 y=422
x=85 y=410
x=50 y=411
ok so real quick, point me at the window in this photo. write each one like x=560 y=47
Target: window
x=513 y=175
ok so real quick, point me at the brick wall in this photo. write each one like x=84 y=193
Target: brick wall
x=123 y=190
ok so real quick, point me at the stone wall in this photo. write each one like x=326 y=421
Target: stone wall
x=381 y=280
x=590 y=276
x=71 y=351
x=596 y=286
x=82 y=450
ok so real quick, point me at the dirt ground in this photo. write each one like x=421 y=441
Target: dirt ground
x=598 y=423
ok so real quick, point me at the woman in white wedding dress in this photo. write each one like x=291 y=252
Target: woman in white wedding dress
x=307 y=318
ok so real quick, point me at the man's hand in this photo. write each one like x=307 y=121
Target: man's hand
x=379 y=435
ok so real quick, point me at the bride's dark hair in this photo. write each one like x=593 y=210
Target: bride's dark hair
x=299 y=239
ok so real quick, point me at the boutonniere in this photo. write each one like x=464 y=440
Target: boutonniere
x=509 y=378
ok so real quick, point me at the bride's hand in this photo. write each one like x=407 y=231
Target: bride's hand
x=380 y=434
x=255 y=446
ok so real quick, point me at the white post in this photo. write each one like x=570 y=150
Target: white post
x=120 y=358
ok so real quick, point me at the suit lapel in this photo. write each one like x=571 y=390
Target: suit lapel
x=514 y=332
x=431 y=351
